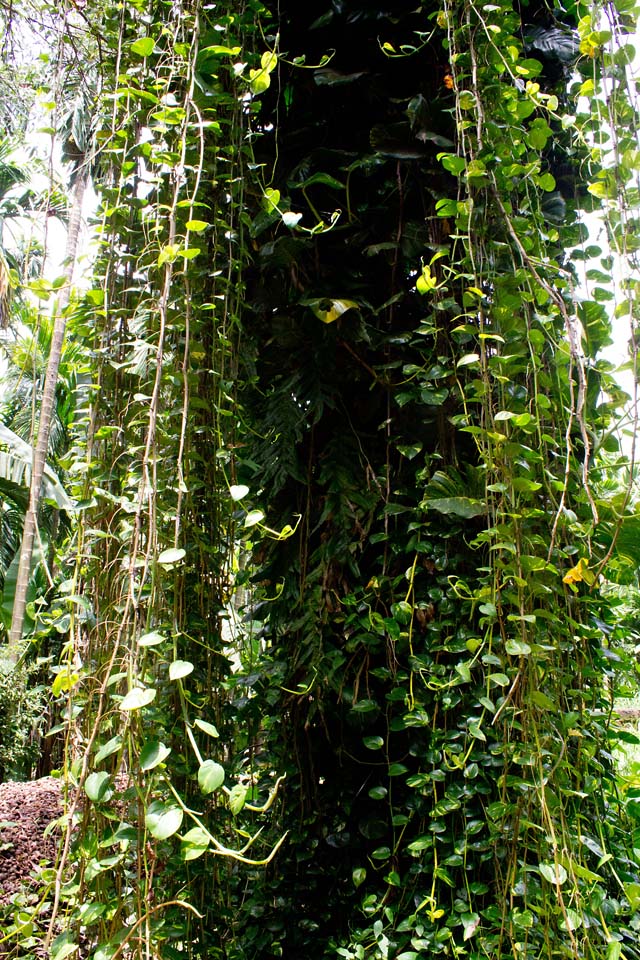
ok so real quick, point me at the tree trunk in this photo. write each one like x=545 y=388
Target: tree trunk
x=44 y=427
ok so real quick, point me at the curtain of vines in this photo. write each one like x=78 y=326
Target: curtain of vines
x=429 y=402
x=147 y=590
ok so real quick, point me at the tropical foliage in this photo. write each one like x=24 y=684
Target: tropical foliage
x=330 y=618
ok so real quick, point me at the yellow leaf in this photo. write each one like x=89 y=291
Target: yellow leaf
x=329 y=310
x=580 y=573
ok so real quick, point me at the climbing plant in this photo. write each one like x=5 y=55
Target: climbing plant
x=337 y=654
x=429 y=397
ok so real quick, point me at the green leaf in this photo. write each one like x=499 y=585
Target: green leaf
x=517 y=648
x=210 y=776
x=410 y=451
x=259 y=82
x=553 y=872
x=572 y=920
x=137 y=698
x=476 y=731
x=64 y=681
x=163 y=819
x=364 y=706
x=237 y=798
x=196 y=226
x=373 y=743
x=452 y=163
x=238 y=491
x=143 y=47
x=320 y=177
x=91 y=912
x=63 y=946
x=253 y=517
x=194 y=843
x=358 y=876
x=632 y=893
x=221 y=51
x=206 y=727
x=470 y=923
x=151 y=639
x=468 y=359
x=378 y=793
x=171 y=556
x=108 y=748
x=98 y=786
x=153 y=753
x=179 y=669
x=538 y=134
x=16 y=458
x=547 y=182
x=458 y=506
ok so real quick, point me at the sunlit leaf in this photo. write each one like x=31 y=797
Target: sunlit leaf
x=137 y=698
x=153 y=753
x=196 y=226
x=151 y=639
x=206 y=727
x=143 y=47
x=163 y=819
x=97 y=786
x=210 y=776
x=179 y=669
x=237 y=798
x=253 y=517
x=171 y=556
x=553 y=872
x=194 y=843
x=107 y=749
x=329 y=310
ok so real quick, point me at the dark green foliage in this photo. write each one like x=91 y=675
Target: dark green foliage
x=22 y=721
x=442 y=719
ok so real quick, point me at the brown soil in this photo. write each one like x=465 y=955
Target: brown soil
x=26 y=810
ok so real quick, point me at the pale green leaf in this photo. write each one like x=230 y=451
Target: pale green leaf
x=98 y=786
x=553 y=872
x=179 y=669
x=517 y=648
x=111 y=746
x=194 y=843
x=206 y=727
x=210 y=776
x=253 y=517
x=163 y=819
x=237 y=798
x=151 y=639
x=137 y=698
x=171 y=556
x=358 y=876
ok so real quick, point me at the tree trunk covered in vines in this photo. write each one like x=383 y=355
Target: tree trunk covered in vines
x=341 y=493
x=425 y=396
